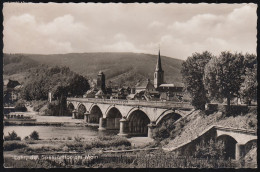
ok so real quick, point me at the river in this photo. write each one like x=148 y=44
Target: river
x=60 y=132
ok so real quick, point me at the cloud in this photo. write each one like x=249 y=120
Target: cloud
x=29 y=36
x=92 y=27
x=120 y=37
x=215 y=33
x=155 y=24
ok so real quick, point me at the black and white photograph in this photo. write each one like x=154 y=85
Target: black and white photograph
x=129 y=85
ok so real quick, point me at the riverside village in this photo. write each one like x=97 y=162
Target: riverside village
x=121 y=109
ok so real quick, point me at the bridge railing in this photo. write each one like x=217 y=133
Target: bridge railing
x=134 y=102
x=240 y=130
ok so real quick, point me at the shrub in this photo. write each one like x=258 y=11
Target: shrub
x=52 y=108
x=210 y=150
x=12 y=145
x=78 y=139
x=105 y=137
x=107 y=141
x=74 y=146
x=34 y=135
x=163 y=131
x=252 y=121
x=20 y=106
x=12 y=136
x=219 y=116
x=100 y=142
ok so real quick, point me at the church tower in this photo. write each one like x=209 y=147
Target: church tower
x=159 y=73
x=101 y=81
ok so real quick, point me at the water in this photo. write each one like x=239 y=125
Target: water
x=60 y=132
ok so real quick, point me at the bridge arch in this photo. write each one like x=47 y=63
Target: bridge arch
x=136 y=109
x=81 y=110
x=113 y=116
x=70 y=108
x=168 y=114
x=229 y=145
x=137 y=122
x=95 y=114
x=250 y=144
x=108 y=110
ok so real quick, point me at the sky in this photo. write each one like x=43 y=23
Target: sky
x=178 y=29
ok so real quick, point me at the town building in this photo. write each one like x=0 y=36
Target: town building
x=101 y=82
x=99 y=90
x=11 y=90
x=143 y=90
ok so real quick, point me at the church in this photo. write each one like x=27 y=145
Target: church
x=159 y=89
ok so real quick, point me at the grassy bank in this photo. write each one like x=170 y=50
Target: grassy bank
x=155 y=159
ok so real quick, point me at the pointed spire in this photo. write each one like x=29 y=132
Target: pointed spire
x=158 y=65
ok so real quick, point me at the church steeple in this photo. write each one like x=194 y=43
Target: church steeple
x=159 y=73
x=158 y=65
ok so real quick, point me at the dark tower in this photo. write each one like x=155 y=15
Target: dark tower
x=101 y=81
x=159 y=73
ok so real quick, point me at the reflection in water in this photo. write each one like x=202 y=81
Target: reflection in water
x=48 y=132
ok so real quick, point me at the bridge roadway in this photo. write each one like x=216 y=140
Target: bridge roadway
x=130 y=117
x=155 y=104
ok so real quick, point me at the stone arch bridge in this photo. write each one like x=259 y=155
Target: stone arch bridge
x=237 y=141
x=130 y=117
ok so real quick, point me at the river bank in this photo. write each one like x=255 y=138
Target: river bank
x=32 y=153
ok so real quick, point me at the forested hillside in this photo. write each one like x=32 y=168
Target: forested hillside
x=120 y=68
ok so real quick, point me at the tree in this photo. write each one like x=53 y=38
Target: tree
x=223 y=75
x=210 y=80
x=60 y=93
x=192 y=73
x=78 y=85
x=34 y=135
x=248 y=90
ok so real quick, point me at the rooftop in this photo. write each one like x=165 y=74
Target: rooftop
x=177 y=84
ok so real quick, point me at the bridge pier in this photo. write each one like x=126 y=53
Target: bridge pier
x=151 y=128
x=240 y=151
x=74 y=114
x=102 y=124
x=86 y=117
x=123 y=127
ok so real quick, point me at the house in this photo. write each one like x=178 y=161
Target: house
x=100 y=95
x=11 y=90
x=144 y=86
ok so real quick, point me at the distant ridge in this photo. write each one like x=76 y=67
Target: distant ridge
x=121 y=68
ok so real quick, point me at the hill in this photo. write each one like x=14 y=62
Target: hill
x=16 y=63
x=120 y=68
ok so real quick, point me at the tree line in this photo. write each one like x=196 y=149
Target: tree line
x=216 y=78
x=60 y=81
